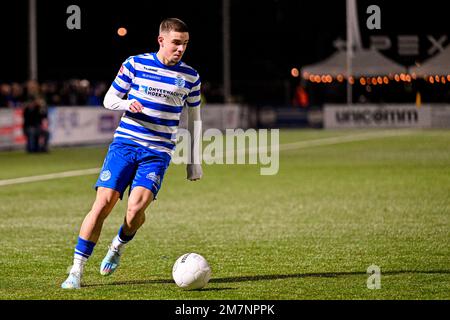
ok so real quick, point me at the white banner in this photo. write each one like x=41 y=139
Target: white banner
x=440 y=116
x=376 y=116
x=6 y=129
x=219 y=116
x=11 y=128
x=79 y=125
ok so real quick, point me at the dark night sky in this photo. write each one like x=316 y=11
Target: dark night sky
x=268 y=37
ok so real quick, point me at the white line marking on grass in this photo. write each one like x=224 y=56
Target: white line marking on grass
x=344 y=139
x=50 y=176
x=320 y=142
x=282 y=147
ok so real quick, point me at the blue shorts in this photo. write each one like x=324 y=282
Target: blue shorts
x=130 y=164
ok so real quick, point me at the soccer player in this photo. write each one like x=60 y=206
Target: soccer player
x=157 y=86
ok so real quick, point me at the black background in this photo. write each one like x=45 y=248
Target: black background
x=268 y=37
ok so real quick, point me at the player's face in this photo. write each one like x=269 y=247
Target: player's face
x=172 y=46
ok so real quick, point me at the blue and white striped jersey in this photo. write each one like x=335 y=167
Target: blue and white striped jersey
x=163 y=91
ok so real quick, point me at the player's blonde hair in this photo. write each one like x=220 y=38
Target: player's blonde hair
x=173 y=24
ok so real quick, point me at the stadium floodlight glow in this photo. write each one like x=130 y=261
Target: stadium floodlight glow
x=122 y=31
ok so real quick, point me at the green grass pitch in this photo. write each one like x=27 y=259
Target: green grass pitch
x=309 y=232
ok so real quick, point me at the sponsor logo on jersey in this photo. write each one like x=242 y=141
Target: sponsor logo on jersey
x=160 y=93
x=150 y=76
x=150 y=69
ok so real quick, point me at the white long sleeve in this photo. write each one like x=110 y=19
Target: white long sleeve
x=194 y=168
x=115 y=102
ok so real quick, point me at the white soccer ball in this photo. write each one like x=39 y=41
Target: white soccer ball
x=191 y=271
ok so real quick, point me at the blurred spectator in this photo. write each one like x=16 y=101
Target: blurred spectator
x=301 y=97
x=72 y=92
x=49 y=91
x=68 y=96
x=44 y=132
x=31 y=125
x=5 y=95
x=211 y=93
x=35 y=121
x=32 y=90
x=82 y=92
x=17 y=95
x=97 y=94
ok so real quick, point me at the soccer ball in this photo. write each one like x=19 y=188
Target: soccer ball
x=191 y=271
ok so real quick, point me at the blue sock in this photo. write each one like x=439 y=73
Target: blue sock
x=123 y=237
x=84 y=248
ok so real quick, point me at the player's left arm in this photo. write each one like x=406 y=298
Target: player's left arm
x=194 y=167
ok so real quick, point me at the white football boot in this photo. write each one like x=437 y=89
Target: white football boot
x=73 y=281
x=111 y=261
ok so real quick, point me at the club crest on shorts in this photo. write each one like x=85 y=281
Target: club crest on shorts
x=154 y=177
x=105 y=175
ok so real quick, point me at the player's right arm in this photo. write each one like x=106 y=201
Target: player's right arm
x=121 y=85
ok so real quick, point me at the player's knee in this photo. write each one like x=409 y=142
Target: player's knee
x=135 y=218
x=135 y=210
x=101 y=209
x=103 y=206
x=137 y=205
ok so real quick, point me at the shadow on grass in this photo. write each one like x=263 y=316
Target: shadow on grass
x=269 y=277
x=319 y=275
x=152 y=281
